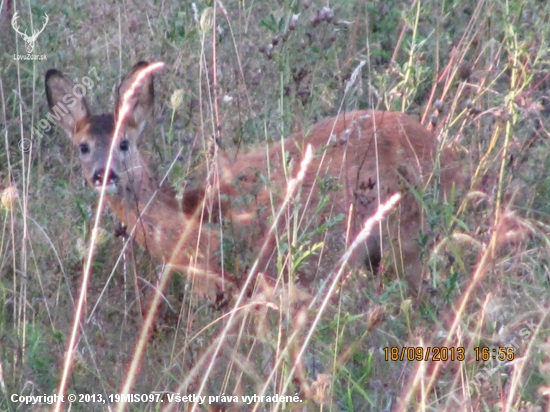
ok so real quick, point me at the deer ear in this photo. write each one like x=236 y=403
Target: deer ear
x=68 y=108
x=140 y=101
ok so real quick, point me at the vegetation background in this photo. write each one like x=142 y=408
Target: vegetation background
x=475 y=71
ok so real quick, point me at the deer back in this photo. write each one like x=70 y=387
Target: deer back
x=361 y=159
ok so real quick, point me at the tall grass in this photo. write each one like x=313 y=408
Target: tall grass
x=246 y=74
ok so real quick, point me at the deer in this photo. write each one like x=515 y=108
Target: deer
x=360 y=159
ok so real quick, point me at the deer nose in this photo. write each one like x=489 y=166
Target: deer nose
x=100 y=174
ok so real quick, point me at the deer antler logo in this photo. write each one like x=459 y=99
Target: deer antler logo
x=29 y=40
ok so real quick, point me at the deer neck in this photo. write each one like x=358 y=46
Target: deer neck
x=148 y=210
x=169 y=228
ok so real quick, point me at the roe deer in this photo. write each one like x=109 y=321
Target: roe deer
x=361 y=158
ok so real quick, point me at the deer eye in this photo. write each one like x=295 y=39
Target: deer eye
x=124 y=145
x=84 y=148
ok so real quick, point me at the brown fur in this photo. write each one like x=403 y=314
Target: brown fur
x=367 y=155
